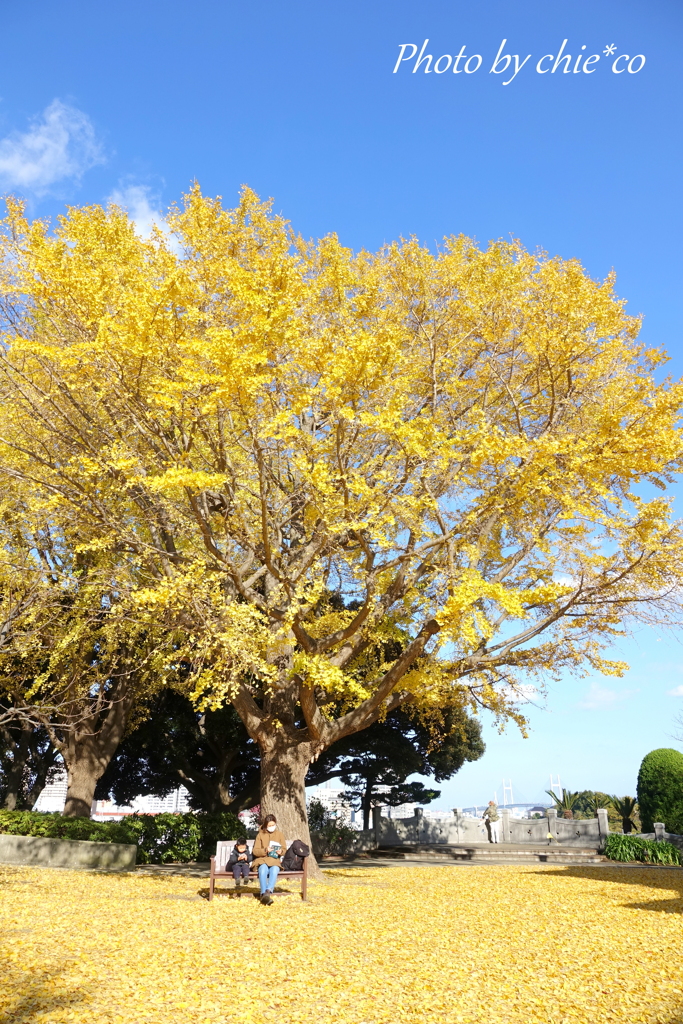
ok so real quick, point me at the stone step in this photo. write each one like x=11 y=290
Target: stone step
x=491 y=853
x=534 y=857
x=446 y=849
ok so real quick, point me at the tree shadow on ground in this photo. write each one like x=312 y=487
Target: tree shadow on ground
x=35 y=997
x=238 y=894
x=194 y=869
x=9 y=875
x=653 y=876
x=352 y=871
x=157 y=872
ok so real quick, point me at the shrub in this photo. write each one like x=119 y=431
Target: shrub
x=648 y=851
x=160 y=838
x=215 y=827
x=334 y=838
x=660 y=790
x=56 y=826
x=330 y=834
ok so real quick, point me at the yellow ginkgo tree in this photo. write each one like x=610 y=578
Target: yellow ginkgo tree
x=77 y=660
x=466 y=448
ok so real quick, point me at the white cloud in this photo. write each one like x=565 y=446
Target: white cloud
x=600 y=698
x=138 y=200
x=60 y=144
x=678 y=692
x=521 y=693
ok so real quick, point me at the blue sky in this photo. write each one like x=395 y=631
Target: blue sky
x=135 y=100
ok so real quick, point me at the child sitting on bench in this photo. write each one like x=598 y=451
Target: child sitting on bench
x=240 y=862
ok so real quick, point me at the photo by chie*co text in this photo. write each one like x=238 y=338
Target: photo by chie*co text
x=509 y=65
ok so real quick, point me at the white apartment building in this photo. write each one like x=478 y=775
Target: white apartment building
x=53 y=798
x=175 y=803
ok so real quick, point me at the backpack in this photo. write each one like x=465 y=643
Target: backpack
x=294 y=858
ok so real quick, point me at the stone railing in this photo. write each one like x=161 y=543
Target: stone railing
x=458 y=829
x=660 y=834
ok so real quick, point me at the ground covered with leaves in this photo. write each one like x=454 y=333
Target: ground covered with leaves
x=372 y=946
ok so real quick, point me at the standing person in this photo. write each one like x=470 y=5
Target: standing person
x=491 y=821
x=240 y=860
x=269 y=849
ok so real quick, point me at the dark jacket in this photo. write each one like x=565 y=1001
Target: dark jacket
x=234 y=857
x=293 y=860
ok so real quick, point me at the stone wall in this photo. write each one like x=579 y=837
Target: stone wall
x=459 y=830
x=33 y=851
x=660 y=833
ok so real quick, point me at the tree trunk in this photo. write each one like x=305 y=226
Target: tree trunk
x=87 y=747
x=203 y=789
x=283 y=791
x=211 y=795
x=12 y=790
x=86 y=758
x=15 y=774
x=83 y=774
x=46 y=762
x=26 y=760
x=287 y=749
x=249 y=797
x=367 y=803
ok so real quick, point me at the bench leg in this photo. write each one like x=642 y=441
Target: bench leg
x=304 y=881
x=211 y=881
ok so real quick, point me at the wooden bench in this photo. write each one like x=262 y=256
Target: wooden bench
x=219 y=867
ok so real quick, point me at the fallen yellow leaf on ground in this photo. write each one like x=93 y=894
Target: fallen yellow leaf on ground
x=472 y=945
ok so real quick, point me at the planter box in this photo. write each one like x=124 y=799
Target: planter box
x=35 y=851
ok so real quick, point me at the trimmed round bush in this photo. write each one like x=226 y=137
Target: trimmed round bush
x=660 y=790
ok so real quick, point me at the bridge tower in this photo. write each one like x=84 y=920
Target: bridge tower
x=555 y=787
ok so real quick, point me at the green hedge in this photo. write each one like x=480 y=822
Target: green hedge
x=160 y=838
x=647 y=851
x=55 y=826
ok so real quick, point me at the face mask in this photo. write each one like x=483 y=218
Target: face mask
x=271 y=828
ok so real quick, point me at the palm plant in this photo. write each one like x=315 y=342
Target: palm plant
x=566 y=804
x=626 y=807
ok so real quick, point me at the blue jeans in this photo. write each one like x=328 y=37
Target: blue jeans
x=267 y=876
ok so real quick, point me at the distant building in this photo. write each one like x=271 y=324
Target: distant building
x=53 y=798
x=333 y=801
x=175 y=803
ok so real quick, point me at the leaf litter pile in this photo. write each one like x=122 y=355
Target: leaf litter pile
x=372 y=946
